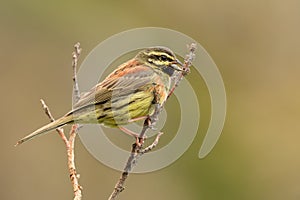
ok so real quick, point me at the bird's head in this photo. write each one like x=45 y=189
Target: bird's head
x=160 y=58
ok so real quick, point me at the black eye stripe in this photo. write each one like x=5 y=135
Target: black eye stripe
x=161 y=57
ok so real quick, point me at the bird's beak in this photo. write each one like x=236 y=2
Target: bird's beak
x=177 y=65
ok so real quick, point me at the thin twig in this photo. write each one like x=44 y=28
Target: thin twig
x=137 y=150
x=70 y=152
x=47 y=111
x=186 y=67
x=152 y=146
x=60 y=131
x=71 y=164
x=119 y=187
x=75 y=56
x=73 y=132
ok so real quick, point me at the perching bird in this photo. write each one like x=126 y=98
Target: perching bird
x=129 y=93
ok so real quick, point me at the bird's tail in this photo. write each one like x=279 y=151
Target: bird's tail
x=53 y=125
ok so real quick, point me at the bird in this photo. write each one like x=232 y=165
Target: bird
x=131 y=92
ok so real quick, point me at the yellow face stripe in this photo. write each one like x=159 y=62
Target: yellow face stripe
x=159 y=54
x=159 y=58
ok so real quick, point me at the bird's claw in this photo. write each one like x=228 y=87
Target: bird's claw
x=152 y=122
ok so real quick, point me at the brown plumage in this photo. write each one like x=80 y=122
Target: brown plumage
x=129 y=92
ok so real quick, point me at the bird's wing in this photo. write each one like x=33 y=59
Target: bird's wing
x=124 y=80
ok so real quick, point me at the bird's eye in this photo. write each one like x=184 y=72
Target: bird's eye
x=163 y=58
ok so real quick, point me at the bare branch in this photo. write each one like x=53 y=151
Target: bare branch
x=60 y=131
x=186 y=67
x=152 y=146
x=75 y=56
x=137 y=148
x=73 y=132
x=71 y=164
x=47 y=111
x=149 y=122
x=136 y=152
x=119 y=187
x=70 y=152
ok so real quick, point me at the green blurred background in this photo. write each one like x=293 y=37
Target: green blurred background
x=256 y=46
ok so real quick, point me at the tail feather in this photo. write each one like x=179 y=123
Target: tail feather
x=53 y=125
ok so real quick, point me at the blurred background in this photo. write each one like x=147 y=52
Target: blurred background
x=254 y=43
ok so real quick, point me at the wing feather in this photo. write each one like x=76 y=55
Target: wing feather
x=124 y=80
